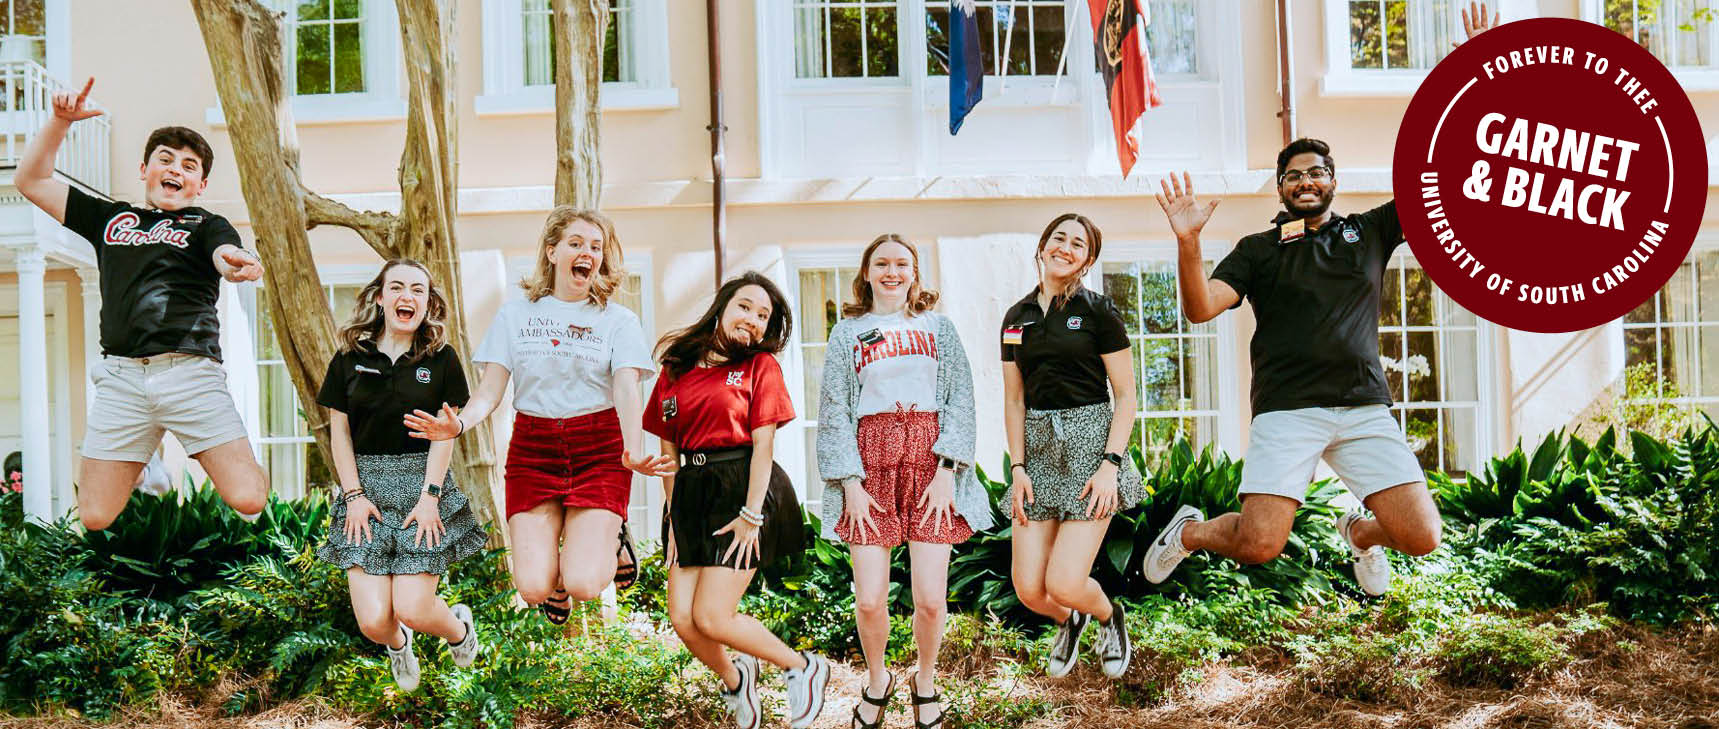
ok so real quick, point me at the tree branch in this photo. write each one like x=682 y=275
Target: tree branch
x=375 y=228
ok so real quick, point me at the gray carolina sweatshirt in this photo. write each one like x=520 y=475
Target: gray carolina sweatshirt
x=838 y=422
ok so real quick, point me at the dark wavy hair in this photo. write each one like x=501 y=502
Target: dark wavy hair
x=181 y=138
x=1094 y=244
x=683 y=349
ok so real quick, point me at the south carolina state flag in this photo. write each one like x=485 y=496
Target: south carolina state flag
x=1119 y=42
x=966 y=67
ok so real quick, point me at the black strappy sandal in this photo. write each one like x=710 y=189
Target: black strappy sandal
x=626 y=561
x=881 y=702
x=918 y=701
x=557 y=614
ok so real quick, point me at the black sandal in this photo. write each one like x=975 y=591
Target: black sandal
x=881 y=702
x=557 y=614
x=918 y=701
x=626 y=561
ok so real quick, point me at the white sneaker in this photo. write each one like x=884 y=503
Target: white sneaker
x=1372 y=565
x=806 y=690
x=743 y=700
x=1065 y=647
x=465 y=651
x=1113 y=648
x=1167 y=551
x=404 y=663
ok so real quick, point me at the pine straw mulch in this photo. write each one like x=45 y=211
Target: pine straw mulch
x=1625 y=677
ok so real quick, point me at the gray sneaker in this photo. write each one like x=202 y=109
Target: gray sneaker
x=404 y=663
x=1065 y=647
x=806 y=690
x=1113 y=649
x=743 y=700
x=1167 y=551
x=466 y=650
x=1372 y=565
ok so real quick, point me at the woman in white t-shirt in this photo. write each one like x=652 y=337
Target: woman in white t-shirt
x=895 y=450
x=576 y=361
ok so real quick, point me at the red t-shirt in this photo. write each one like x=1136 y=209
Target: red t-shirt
x=718 y=407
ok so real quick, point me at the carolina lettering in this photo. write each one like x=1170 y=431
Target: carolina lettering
x=122 y=231
x=896 y=344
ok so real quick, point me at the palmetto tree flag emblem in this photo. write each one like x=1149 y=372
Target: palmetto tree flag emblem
x=966 y=67
x=1119 y=42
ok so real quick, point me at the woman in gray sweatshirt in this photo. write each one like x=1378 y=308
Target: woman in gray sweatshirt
x=895 y=450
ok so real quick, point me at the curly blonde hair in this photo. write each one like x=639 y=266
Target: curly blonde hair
x=541 y=281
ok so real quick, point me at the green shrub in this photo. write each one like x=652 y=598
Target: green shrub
x=1576 y=524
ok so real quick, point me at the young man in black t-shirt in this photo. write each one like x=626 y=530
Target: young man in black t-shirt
x=161 y=271
x=1318 y=388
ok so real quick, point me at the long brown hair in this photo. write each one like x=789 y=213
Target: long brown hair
x=607 y=277
x=1094 y=244
x=367 y=319
x=919 y=300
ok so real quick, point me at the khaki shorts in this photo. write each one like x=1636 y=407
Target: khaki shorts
x=136 y=400
x=1363 y=444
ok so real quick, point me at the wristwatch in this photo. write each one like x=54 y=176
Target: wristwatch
x=433 y=489
x=949 y=463
x=1114 y=458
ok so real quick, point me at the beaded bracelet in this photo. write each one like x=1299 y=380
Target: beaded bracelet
x=348 y=497
x=752 y=517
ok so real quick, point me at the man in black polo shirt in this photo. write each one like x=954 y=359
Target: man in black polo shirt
x=1318 y=388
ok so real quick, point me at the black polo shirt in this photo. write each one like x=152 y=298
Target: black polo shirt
x=1317 y=303
x=376 y=393
x=1059 y=353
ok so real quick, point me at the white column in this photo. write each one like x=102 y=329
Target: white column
x=90 y=284
x=33 y=383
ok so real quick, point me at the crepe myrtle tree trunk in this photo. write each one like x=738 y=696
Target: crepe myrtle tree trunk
x=578 y=108
x=246 y=42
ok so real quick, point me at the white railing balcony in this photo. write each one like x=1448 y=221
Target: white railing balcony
x=26 y=103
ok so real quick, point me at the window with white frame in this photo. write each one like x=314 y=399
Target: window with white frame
x=1679 y=32
x=1386 y=46
x=1428 y=347
x=25 y=28
x=822 y=292
x=290 y=457
x=1671 y=342
x=1034 y=35
x=846 y=39
x=538 y=46
x=326 y=47
x=1175 y=361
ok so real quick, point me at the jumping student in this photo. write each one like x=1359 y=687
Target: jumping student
x=895 y=446
x=400 y=520
x=161 y=270
x=730 y=508
x=576 y=359
x=1068 y=406
x=1319 y=392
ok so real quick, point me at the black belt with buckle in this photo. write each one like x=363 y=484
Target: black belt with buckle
x=700 y=458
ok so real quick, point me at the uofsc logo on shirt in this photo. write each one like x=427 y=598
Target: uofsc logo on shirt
x=735 y=378
x=424 y=375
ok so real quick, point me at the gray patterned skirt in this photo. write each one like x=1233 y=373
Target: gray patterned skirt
x=1064 y=449
x=393 y=483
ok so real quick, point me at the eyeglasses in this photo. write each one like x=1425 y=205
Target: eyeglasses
x=1316 y=174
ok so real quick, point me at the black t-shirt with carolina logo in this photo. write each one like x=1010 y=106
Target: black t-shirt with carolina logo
x=158 y=279
x=1060 y=353
x=376 y=392
x=1317 y=303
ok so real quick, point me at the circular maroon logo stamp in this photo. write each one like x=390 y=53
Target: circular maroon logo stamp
x=1550 y=175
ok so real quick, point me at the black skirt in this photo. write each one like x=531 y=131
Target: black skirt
x=708 y=497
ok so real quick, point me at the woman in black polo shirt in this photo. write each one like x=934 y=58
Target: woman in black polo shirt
x=1062 y=346
x=400 y=520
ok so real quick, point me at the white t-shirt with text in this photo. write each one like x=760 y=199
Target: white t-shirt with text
x=898 y=365
x=563 y=356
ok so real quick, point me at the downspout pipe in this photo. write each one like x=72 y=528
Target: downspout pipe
x=718 y=197
x=1286 y=67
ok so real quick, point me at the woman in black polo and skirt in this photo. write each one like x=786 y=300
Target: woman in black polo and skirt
x=400 y=520
x=1068 y=407
x=731 y=509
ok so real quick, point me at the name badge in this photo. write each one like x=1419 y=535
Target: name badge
x=1012 y=335
x=1292 y=231
x=366 y=370
x=670 y=407
x=871 y=337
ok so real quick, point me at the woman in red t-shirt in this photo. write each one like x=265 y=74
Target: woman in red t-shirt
x=731 y=509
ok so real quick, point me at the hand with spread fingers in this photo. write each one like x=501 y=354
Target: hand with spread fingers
x=937 y=504
x=1477 y=19
x=647 y=465
x=857 y=506
x=427 y=514
x=744 y=549
x=1100 y=492
x=359 y=513
x=444 y=425
x=1187 y=216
